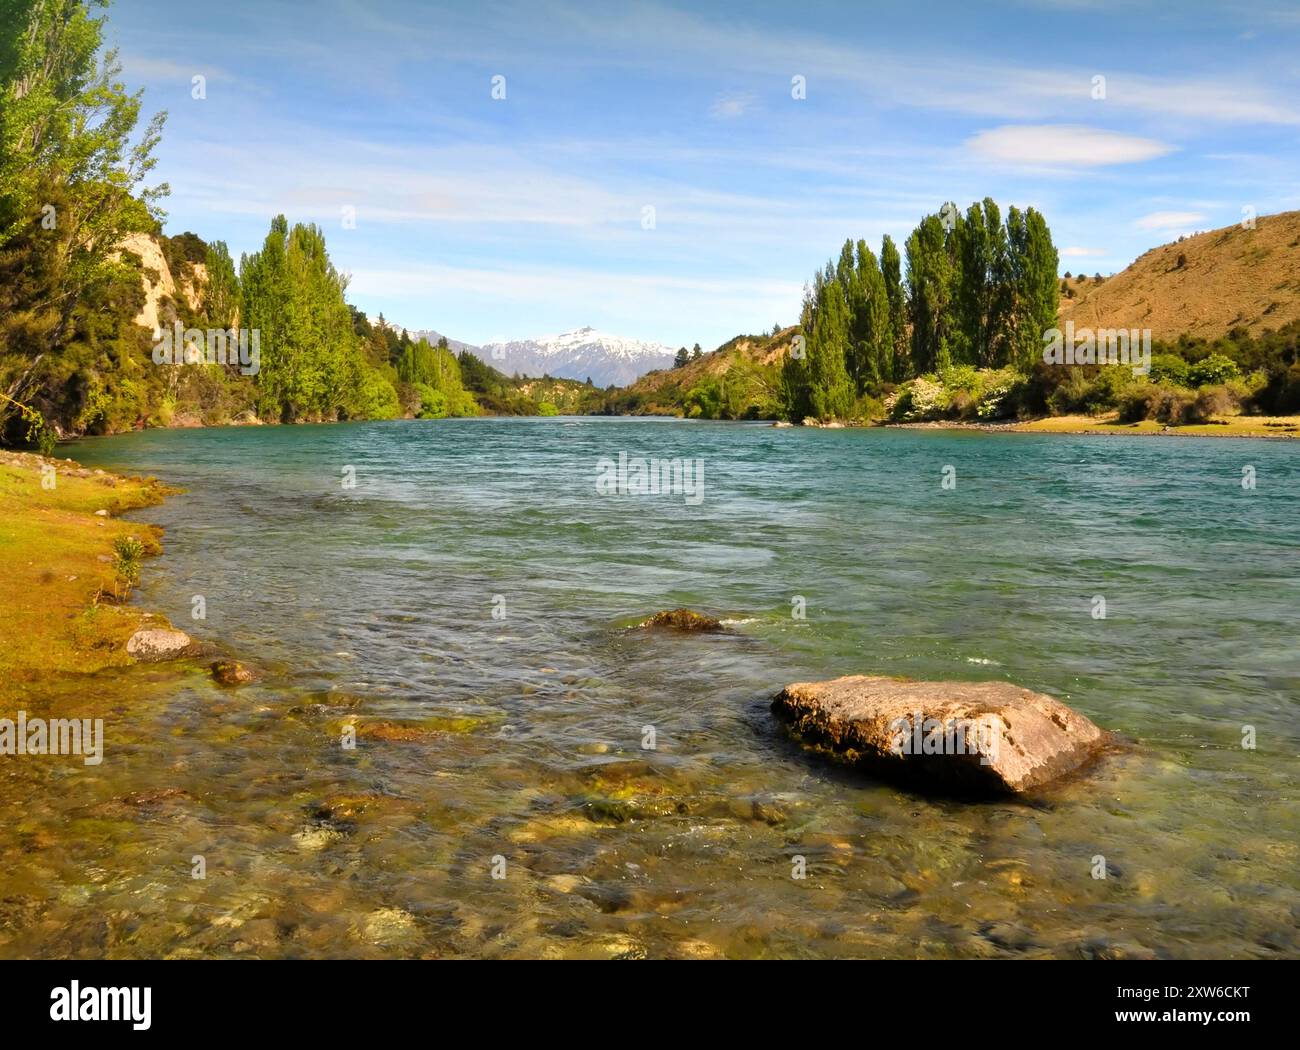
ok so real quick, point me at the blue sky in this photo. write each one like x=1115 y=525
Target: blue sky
x=505 y=218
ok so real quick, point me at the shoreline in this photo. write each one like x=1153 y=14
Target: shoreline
x=59 y=523
x=1274 y=428
x=1267 y=428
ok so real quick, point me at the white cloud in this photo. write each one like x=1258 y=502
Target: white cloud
x=166 y=69
x=1079 y=253
x=925 y=78
x=732 y=105
x=1169 y=220
x=1063 y=146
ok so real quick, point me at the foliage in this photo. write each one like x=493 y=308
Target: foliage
x=127 y=554
x=71 y=173
x=978 y=291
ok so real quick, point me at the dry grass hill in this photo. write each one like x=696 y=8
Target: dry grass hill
x=1205 y=285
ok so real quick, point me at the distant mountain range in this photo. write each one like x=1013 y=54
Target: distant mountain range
x=607 y=360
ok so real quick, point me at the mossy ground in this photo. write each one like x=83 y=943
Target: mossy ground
x=59 y=604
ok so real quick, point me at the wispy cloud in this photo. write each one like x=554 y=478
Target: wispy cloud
x=1063 y=146
x=1169 y=220
x=731 y=105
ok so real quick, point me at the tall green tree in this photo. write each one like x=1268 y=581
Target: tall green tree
x=71 y=186
x=891 y=273
x=221 y=296
x=872 y=329
x=1032 y=262
x=930 y=279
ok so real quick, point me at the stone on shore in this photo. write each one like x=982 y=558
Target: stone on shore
x=968 y=737
x=684 y=620
x=151 y=644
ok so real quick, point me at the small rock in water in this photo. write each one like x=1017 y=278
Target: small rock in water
x=389 y=926
x=316 y=837
x=161 y=643
x=977 y=737
x=228 y=672
x=684 y=620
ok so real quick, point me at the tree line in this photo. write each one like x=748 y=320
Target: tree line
x=74 y=167
x=976 y=290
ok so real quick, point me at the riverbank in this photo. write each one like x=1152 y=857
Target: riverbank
x=1282 y=427
x=62 y=605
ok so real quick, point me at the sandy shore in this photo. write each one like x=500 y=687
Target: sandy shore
x=1277 y=427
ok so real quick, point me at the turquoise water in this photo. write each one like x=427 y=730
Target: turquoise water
x=512 y=744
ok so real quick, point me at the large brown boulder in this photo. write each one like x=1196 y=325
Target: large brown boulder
x=977 y=737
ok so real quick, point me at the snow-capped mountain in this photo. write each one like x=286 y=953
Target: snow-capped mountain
x=580 y=354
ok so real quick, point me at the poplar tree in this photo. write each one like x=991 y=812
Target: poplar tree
x=891 y=272
x=929 y=283
x=221 y=297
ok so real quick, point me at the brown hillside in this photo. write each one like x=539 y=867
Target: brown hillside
x=1232 y=278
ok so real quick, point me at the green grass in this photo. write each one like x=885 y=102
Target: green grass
x=57 y=606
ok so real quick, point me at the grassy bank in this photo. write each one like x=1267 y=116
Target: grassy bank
x=62 y=602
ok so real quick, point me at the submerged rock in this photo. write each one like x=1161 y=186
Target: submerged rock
x=684 y=620
x=161 y=643
x=229 y=672
x=979 y=737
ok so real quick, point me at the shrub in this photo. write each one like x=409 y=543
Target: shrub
x=1106 y=389
x=997 y=401
x=921 y=400
x=127 y=552
x=1213 y=370
x=1167 y=404
x=960 y=404
x=1169 y=368
x=1224 y=399
x=1069 y=395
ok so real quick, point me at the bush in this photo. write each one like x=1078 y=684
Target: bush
x=1169 y=368
x=1214 y=369
x=127 y=552
x=1069 y=395
x=920 y=400
x=1158 y=401
x=1106 y=389
x=1000 y=398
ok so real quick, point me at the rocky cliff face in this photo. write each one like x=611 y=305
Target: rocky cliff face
x=162 y=288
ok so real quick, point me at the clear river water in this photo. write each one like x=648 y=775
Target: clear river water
x=467 y=609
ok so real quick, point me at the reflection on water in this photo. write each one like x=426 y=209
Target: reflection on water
x=514 y=744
